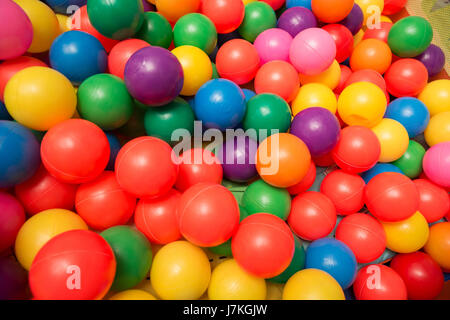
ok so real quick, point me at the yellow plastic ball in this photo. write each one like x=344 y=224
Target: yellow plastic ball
x=385 y=19
x=132 y=295
x=357 y=38
x=40 y=228
x=230 y=282
x=40 y=97
x=362 y=104
x=65 y=23
x=370 y=8
x=408 y=235
x=274 y=290
x=436 y=96
x=438 y=129
x=312 y=284
x=197 y=68
x=314 y=95
x=394 y=139
x=329 y=77
x=44 y=22
x=180 y=271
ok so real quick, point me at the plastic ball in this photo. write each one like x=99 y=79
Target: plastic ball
x=438 y=244
x=330 y=77
x=391 y=197
x=78 y=259
x=313 y=215
x=296 y=19
x=43 y=191
x=368 y=75
x=379 y=282
x=410 y=162
x=379 y=168
x=43 y=20
x=393 y=6
x=180 y=271
x=198 y=165
x=166 y=85
x=411 y=113
x=237 y=156
x=304 y=285
x=156 y=30
x=331 y=11
x=436 y=163
x=175 y=9
x=263 y=245
x=238 y=61
x=362 y=104
x=156 y=218
x=318 y=128
x=273 y=44
x=226 y=15
x=433 y=58
x=104 y=100
x=133 y=256
x=371 y=54
x=197 y=68
x=259 y=16
x=12 y=217
x=132 y=294
x=82 y=142
x=305 y=48
x=343 y=39
x=434 y=202
x=406 y=77
x=380 y=33
x=436 y=96
x=42 y=227
x=51 y=101
x=230 y=282
x=196 y=30
x=410 y=36
x=121 y=52
x=220 y=104
x=438 y=129
x=19 y=154
x=314 y=95
x=306 y=182
x=407 y=235
x=394 y=139
x=145 y=167
x=358 y=149
x=354 y=20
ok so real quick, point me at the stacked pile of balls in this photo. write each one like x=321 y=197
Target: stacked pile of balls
x=338 y=189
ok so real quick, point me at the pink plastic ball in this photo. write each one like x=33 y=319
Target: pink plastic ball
x=312 y=51
x=436 y=164
x=273 y=44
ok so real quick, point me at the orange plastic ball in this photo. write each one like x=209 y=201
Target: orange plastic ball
x=173 y=10
x=331 y=11
x=371 y=54
x=438 y=245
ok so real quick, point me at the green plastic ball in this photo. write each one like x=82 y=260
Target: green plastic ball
x=161 y=122
x=133 y=256
x=410 y=36
x=297 y=263
x=196 y=30
x=411 y=161
x=116 y=19
x=156 y=30
x=261 y=197
x=266 y=112
x=104 y=100
x=259 y=16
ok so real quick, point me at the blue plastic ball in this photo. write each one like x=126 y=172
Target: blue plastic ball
x=377 y=169
x=64 y=6
x=248 y=94
x=220 y=104
x=411 y=113
x=114 y=146
x=78 y=55
x=19 y=154
x=4 y=114
x=298 y=3
x=335 y=257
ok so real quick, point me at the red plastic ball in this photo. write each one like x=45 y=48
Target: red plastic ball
x=102 y=203
x=43 y=191
x=393 y=6
x=434 y=201
x=198 y=165
x=157 y=218
x=12 y=217
x=380 y=33
x=345 y=190
x=227 y=15
x=145 y=167
x=379 y=282
x=74 y=265
x=364 y=235
x=121 y=52
x=391 y=197
x=81 y=141
x=237 y=60
x=208 y=214
x=343 y=39
x=346 y=72
x=358 y=149
x=275 y=4
x=406 y=78
x=422 y=275
x=306 y=182
x=263 y=245
x=313 y=215
x=278 y=77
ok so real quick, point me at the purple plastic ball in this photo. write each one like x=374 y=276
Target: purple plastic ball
x=433 y=58
x=13 y=279
x=318 y=128
x=238 y=157
x=354 y=20
x=154 y=76
x=296 y=19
